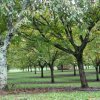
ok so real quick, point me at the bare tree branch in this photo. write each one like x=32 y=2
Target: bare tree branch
x=67 y=50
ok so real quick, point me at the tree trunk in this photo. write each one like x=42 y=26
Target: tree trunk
x=74 y=70
x=46 y=67
x=83 y=79
x=97 y=73
x=99 y=69
x=35 y=70
x=52 y=74
x=3 y=69
x=28 y=69
x=42 y=72
x=62 y=68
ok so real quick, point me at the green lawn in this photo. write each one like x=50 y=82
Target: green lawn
x=62 y=79
x=55 y=96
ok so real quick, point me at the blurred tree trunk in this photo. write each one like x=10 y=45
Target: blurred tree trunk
x=99 y=68
x=97 y=73
x=42 y=75
x=83 y=79
x=74 y=70
x=52 y=74
x=3 y=69
x=35 y=71
x=62 y=67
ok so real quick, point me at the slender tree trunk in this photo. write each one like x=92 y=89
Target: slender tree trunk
x=52 y=74
x=42 y=75
x=28 y=69
x=83 y=79
x=97 y=73
x=46 y=67
x=62 y=68
x=74 y=70
x=88 y=67
x=3 y=69
x=99 y=69
x=35 y=71
x=31 y=69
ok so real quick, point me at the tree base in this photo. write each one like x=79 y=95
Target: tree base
x=85 y=86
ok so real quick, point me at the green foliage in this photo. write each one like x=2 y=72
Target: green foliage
x=3 y=23
x=61 y=17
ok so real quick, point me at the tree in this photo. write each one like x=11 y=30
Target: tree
x=42 y=64
x=11 y=18
x=93 y=52
x=45 y=54
x=68 y=26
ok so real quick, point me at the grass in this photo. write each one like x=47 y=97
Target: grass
x=62 y=79
x=55 y=96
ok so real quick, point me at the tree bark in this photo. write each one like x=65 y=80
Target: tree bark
x=3 y=69
x=46 y=67
x=35 y=70
x=83 y=79
x=74 y=70
x=42 y=75
x=97 y=73
x=52 y=74
x=62 y=67
x=28 y=69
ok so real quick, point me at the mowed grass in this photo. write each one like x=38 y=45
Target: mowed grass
x=62 y=79
x=55 y=96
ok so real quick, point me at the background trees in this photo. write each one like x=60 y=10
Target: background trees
x=46 y=55
x=68 y=26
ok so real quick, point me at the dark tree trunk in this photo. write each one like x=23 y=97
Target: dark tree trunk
x=28 y=69
x=35 y=71
x=52 y=74
x=74 y=70
x=62 y=67
x=88 y=65
x=97 y=73
x=42 y=75
x=83 y=79
x=46 y=67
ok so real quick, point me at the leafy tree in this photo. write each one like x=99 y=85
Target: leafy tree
x=11 y=19
x=68 y=26
x=45 y=54
x=93 y=53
